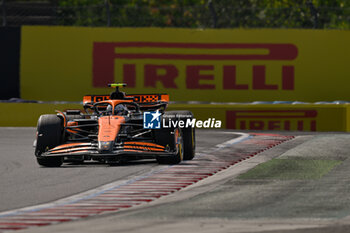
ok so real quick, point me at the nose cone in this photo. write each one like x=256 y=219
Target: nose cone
x=105 y=147
x=108 y=128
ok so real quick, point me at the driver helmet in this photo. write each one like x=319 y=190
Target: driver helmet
x=109 y=109
x=120 y=109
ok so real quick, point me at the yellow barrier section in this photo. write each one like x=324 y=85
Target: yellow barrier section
x=223 y=65
x=27 y=114
x=303 y=117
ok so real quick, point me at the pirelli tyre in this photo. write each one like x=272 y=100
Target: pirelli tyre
x=188 y=133
x=49 y=135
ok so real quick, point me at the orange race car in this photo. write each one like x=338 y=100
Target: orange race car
x=115 y=128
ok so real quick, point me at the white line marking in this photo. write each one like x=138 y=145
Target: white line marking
x=241 y=138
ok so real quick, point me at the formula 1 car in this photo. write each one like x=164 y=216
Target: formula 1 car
x=112 y=129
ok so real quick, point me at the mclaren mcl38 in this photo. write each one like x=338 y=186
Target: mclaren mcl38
x=115 y=128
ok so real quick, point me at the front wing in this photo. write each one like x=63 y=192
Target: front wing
x=120 y=149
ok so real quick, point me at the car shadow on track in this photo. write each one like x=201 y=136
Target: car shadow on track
x=116 y=164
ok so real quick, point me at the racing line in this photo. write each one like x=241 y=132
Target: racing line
x=143 y=189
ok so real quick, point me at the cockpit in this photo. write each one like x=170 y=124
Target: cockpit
x=116 y=107
x=119 y=110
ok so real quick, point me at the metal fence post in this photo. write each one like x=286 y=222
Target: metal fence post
x=108 y=13
x=213 y=13
x=4 y=22
x=313 y=12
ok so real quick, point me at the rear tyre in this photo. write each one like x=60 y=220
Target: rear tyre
x=49 y=135
x=72 y=114
x=74 y=117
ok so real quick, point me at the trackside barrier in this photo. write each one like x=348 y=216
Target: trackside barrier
x=10 y=41
x=221 y=65
x=27 y=114
x=300 y=117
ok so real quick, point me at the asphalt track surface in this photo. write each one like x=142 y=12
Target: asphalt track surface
x=222 y=203
x=24 y=183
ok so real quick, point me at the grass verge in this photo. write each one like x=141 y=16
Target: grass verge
x=289 y=169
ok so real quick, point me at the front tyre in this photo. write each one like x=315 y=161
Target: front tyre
x=49 y=135
x=175 y=136
x=189 y=141
x=50 y=162
x=188 y=133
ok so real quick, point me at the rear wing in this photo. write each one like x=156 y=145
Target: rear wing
x=138 y=98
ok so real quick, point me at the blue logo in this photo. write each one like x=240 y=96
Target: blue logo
x=151 y=120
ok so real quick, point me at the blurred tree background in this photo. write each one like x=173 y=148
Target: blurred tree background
x=333 y=14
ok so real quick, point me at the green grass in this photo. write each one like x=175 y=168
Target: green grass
x=290 y=169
